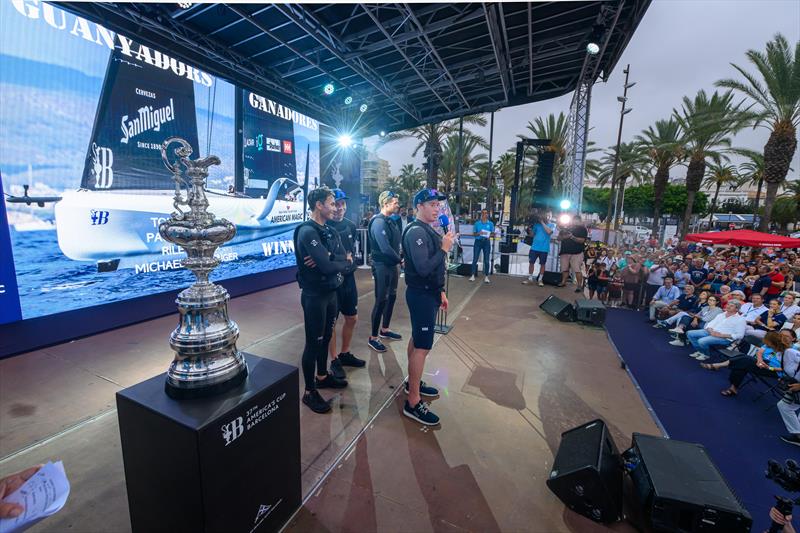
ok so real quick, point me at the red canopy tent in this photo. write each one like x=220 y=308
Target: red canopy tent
x=744 y=237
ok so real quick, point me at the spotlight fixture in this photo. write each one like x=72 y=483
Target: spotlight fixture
x=565 y=219
x=382 y=133
x=363 y=108
x=592 y=48
x=345 y=141
x=328 y=89
x=565 y=204
x=348 y=100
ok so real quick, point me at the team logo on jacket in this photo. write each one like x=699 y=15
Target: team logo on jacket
x=419 y=242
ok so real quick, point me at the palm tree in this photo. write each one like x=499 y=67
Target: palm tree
x=633 y=163
x=708 y=124
x=752 y=171
x=792 y=190
x=410 y=180
x=431 y=137
x=665 y=148
x=554 y=128
x=779 y=101
x=717 y=175
x=448 y=168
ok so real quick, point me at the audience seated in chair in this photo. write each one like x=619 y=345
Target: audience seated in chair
x=721 y=331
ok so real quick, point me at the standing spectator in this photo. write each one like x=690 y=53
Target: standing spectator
x=722 y=331
x=697 y=273
x=777 y=282
x=615 y=285
x=483 y=229
x=655 y=278
x=763 y=283
x=631 y=279
x=573 y=240
x=541 y=230
x=605 y=258
x=666 y=295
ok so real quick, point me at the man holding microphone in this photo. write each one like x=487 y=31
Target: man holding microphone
x=425 y=254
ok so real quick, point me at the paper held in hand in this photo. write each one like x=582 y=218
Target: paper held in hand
x=44 y=494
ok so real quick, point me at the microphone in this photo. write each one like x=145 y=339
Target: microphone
x=444 y=222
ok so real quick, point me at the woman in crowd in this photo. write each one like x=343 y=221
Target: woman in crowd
x=770 y=320
x=750 y=278
x=632 y=277
x=697 y=320
x=767 y=362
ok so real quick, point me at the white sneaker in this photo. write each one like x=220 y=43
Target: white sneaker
x=527 y=281
x=702 y=357
x=541 y=283
x=677 y=342
x=486 y=279
x=695 y=354
x=472 y=278
x=676 y=329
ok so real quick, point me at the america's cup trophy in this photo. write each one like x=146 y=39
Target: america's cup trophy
x=206 y=358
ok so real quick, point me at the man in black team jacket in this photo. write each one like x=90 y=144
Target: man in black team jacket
x=346 y=294
x=321 y=260
x=425 y=253
x=384 y=244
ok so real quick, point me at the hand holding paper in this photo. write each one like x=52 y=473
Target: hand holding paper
x=31 y=495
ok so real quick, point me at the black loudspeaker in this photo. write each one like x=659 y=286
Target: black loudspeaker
x=587 y=473
x=543 y=185
x=551 y=278
x=590 y=311
x=464 y=269
x=680 y=488
x=558 y=308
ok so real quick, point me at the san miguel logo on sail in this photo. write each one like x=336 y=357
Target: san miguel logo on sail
x=147 y=120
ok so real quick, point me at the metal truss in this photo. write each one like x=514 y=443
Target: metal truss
x=578 y=125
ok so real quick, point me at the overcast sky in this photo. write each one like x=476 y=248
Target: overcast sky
x=681 y=46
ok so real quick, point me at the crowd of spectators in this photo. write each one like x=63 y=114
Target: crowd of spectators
x=737 y=310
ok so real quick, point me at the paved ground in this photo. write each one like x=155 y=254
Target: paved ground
x=512 y=378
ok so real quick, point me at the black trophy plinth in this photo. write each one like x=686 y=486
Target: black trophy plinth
x=226 y=463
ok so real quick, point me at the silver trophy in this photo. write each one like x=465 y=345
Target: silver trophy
x=206 y=358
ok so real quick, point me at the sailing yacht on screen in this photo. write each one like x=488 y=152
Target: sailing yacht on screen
x=125 y=193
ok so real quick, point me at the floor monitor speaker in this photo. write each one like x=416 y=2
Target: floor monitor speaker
x=587 y=473
x=558 y=308
x=551 y=278
x=590 y=311
x=681 y=489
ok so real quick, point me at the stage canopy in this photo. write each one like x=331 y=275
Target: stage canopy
x=744 y=237
x=410 y=63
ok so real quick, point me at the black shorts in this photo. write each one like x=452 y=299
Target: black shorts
x=422 y=306
x=347 y=296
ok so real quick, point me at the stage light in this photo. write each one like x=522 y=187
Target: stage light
x=348 y=100
x=383 y=134
x=345 y=141
x=363 y=108
x=564 y=219
x=592 y=48
x=328 y=89
x=565 y=204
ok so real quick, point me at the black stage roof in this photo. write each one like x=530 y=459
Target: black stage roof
x=411 y=63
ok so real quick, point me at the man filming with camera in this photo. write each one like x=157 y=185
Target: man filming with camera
x=573 y=241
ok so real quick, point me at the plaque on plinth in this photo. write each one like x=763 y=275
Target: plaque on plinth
x=224 y=463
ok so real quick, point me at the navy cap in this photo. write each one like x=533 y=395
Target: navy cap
x=426 y=195
x=338 y=194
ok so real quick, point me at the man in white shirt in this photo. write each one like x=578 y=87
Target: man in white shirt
x=789 y=406
x=753 y=309
x=721 y=331
x=789 y=308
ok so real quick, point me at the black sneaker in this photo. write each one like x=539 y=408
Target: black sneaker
x=348 y=359
x=336 y=369
x=377 y=345
x=391 y=335
x=315 y=402
x=789 y=439
x=425 y=390
x=331 y=382
x=578 y=290
x=420 y=413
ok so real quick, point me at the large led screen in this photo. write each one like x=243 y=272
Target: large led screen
x=83 y=114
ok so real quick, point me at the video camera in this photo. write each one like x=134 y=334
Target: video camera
x=787 y=476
